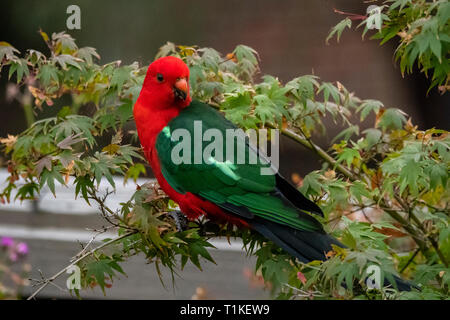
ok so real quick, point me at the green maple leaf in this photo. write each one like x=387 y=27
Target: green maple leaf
x=373 y=136
x=311 y=184
x=409 y=176
x=197 y=249
x=368 y=106
x=358 y=190
x=65 y=60
x=348 y=155
x=438 y=175
x=27 y=191
x=7 y=51
x=339 y=28
x=101 y=269
x=150 y=224
x=347 y=133
x=49 y=177
x=20 y=67
x=276 y=271
x=120 y=76
x=47 y=73
x=392 y=119
x=134 y=171
x=328 y=89
x=85 y=185
x=87 y=53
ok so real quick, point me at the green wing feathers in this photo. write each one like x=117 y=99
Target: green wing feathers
x=239 y=188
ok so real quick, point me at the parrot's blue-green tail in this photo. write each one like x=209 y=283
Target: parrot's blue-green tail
x=308 y=246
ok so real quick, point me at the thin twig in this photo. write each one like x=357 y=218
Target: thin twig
x=86 y=246
x=419 y=224
x=47 y=281
x=105 y=210
x=410 y=260
x=415 y=234
x=418 y=238
x=322 y=153
x=360 y=208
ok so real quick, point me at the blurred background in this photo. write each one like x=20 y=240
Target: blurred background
x=289 y=36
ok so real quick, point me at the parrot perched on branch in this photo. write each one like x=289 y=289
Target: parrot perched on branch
x=224 y=191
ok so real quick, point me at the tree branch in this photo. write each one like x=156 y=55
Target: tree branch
x=419 y=224
x=346 y=172
x=46 y=282
x=322 y=153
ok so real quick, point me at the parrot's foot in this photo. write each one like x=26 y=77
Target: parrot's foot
x=180 y=220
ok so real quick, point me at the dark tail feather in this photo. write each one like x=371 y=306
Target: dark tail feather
x=305 y=246
x=308 y=246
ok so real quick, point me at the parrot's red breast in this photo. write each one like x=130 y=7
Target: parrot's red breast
x=165 y=92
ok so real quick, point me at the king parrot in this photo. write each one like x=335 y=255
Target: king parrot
x=224 y=191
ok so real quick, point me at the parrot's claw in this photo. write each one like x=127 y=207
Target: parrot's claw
x=180 y=220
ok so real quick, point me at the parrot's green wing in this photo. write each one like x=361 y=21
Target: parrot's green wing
x=238 y=187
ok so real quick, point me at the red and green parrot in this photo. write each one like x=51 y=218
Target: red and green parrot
x=224 y=191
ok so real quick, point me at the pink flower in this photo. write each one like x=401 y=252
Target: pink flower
x=22 y=248
x=6 y=242
x=13 y=256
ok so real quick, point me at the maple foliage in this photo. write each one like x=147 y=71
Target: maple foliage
x=421 y=29
x=384 y=190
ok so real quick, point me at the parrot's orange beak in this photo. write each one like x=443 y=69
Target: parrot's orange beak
x=181 y=88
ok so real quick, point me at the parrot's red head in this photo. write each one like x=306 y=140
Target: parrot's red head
x=167 y=83
x=164 y=94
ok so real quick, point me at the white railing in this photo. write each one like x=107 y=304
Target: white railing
x=65 y=202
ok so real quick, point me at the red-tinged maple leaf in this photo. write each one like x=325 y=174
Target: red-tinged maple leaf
x=301 y=277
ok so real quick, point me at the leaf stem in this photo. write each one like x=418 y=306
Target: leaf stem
x=29 y=116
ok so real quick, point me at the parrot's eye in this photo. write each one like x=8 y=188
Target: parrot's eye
x=160 y=77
